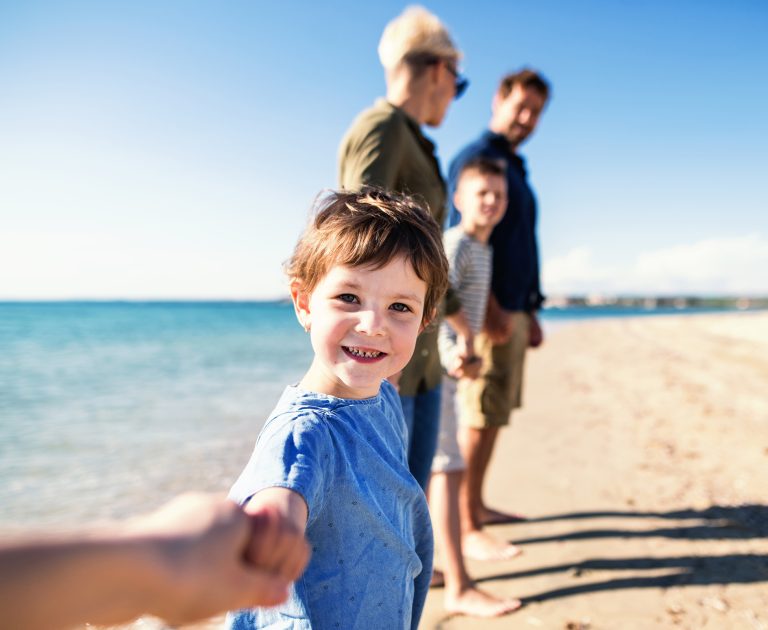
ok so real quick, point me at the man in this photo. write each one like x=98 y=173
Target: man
x=511 y=324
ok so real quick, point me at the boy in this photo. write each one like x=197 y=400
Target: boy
x=481 y=196
x=366 y=277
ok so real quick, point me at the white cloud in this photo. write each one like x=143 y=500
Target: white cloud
x=728 y=265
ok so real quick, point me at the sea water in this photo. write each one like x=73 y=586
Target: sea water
x=109 y=409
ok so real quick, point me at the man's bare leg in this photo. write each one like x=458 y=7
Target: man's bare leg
x=461 y=595
x=476 y=447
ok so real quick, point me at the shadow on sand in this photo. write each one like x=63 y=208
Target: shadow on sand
x=719 y=523
x=751 y=516
x=680 y=571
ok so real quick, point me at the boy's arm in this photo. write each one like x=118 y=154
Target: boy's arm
x=183 y=563
x=274 y=552
x=468 y=362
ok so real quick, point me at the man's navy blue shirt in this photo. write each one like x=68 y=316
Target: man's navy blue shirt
x=515 y=276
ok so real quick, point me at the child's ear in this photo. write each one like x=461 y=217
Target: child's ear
x=300 y=304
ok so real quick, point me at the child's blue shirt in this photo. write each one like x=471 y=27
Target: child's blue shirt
x=368 y=521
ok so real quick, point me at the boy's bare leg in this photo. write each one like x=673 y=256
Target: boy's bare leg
x=461 y=595
x=476 y=448
x=484 y=514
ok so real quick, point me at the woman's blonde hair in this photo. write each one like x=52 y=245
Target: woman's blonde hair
x=415 y=33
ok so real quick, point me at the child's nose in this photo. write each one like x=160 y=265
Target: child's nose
x=371 y=322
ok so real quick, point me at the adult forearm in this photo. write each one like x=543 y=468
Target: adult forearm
x=197 y=556
x=58 y=583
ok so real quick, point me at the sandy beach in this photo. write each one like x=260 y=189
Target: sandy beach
x=641 y=458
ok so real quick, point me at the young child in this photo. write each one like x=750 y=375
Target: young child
x=481 y=197
x=366 y=277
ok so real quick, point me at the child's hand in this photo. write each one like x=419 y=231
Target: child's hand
x=470 y=367
x=467 y=364
x=276 y=544
x=201 y=542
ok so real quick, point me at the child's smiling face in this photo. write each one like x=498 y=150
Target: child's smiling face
x=363 y=324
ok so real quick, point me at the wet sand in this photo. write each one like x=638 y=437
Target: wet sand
x=641 y=458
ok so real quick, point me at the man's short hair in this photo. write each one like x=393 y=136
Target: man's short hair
x=417 y=38
x=370 y=228
x=483 y=166
x=525 y=78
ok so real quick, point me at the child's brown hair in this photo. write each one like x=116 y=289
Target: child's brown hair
x=370 y=228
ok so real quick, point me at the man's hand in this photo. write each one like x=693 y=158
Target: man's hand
x=535 y=333
x=498 y=322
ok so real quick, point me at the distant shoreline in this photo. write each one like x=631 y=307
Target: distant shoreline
x=554 y=303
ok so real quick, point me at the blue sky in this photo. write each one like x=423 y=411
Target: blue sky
x=173 y=149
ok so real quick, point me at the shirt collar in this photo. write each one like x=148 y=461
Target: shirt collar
x=412 y=123
x=500 y=142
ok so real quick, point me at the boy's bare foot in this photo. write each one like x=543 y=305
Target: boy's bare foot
x=489 y=516
x=476 y=603
x=438 y=579
x=480 y=546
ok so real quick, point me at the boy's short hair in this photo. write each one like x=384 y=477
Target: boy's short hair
x=416 y=37
x=370 y=228
x=526 y=78
x=482 y=166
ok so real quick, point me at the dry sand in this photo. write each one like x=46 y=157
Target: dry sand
x=641 y=458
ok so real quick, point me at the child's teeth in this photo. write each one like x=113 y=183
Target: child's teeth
x=362 y=353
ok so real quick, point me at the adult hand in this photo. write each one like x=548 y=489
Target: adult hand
x=206 y=547
x=535 y=332
x=466 y=367
x=185 y=562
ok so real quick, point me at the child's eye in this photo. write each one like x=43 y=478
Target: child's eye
x=400 y=307
x=348 y=298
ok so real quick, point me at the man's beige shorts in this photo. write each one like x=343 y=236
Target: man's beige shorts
x=488 y=400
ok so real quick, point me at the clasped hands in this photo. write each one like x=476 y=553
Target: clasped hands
x=466 y=364
x=219 y=557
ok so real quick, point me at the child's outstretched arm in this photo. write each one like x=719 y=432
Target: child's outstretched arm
x=183 y=563
x=277 y=552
